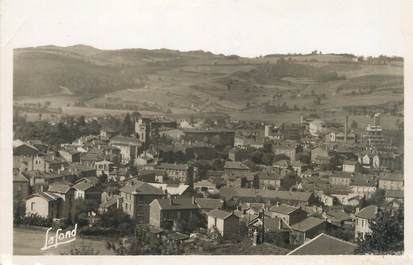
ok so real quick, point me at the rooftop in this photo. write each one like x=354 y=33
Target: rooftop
x=307 y=224
x=368 y=212
x=325 y=245
x=141 y=188
x=283 y=209
x=220 y=214
x=176 y=204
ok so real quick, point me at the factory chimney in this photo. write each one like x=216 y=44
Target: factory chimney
x=345 y=129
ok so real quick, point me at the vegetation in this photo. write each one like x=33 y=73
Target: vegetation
x=387 y=235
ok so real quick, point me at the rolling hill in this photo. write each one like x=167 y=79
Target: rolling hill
x=197 y=81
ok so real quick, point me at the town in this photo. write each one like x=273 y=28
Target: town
x=213 y=185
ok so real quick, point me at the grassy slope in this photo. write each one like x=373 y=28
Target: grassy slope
x=198 y=81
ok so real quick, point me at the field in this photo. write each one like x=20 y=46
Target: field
x=86 y=81
x=29 y=241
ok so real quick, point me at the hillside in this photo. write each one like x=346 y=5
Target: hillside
x=198 y=81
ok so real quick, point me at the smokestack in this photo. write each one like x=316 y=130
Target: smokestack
x=345 y=129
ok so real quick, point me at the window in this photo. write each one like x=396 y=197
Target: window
x=32 y=206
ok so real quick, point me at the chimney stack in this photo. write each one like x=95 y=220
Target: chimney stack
x=345 y=129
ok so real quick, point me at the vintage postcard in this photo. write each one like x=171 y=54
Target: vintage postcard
x=210 y=131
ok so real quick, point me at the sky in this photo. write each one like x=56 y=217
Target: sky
x=243 y=27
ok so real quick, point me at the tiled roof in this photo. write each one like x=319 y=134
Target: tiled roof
x=235 y=165
x=59 y=187
x=325 y=245
x=176 y=204
x=141 y=188
x=266 y=194
x=208 y=204
x=220 y=214
x=307 y=224
x=18 y=177
x=85 y=184
x=171 y=189
x=119 y=139
x=170 y=166
x=46 y=195
x=368 y=212
x=399 y=194
x=283 y=209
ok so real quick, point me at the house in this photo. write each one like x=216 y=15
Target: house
x=87 y=189
x=320 y=156
x=387 y=160
x=70 y=155
x=324 y=244
x=281 y=167
x=21 y=189
x=167 y=213
x=181 y=173
x=338 y=218
x=294 y=198
x=392 y=195
x=129 y=147
x=103 y=167
x=289 y=214
x=298 y=167
x=269 y=180
x=45 y=204
x=226 y=223
x=67 y=193
x=108 y=202
x=365 y=159
x=306 y=229
x=340 y=179
x=206 y=186
x=349 y=166
x=235 y=168
x=238 y=154
x=135 y=198
x=391 y=181
x=363 y=185
x=362 y=219
x=28 y=158
x=286 y=150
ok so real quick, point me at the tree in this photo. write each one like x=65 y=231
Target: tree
x=354 y=125
x=387 y=236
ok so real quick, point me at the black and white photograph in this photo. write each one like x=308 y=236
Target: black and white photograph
x=206 y=127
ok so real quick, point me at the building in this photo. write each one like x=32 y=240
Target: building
x=340 y=179
x=87 y=189
x=306 y=229
x=44 y=204
x=349 y=166
x=217 y=137
x=28 y=158
x=129 y=147
x=70 y=155
x=226 y=223
x=391 y=181
x=269 y=180
x=361 y=221
x=235 y=168
x=373 y=135
x=287 y=150
x=317 y=127
x=21 y=189
x=135 y=198
x=67 y=193
x=208 y=204
x=289 y=214
x=320 y=156
x=181 y=173
x=103 y=167
x=324 y=244
x=294 y=198
x=388 y=161
x=168 y=213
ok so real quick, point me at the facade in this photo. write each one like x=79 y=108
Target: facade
x=129 y=147
x=166 y=213
x=135 y=198
x=181 y=173
x=361 y=221
x=44 y=204
x=391 y=181
x=307 y=229
x=226 y=223
x=289 y=214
